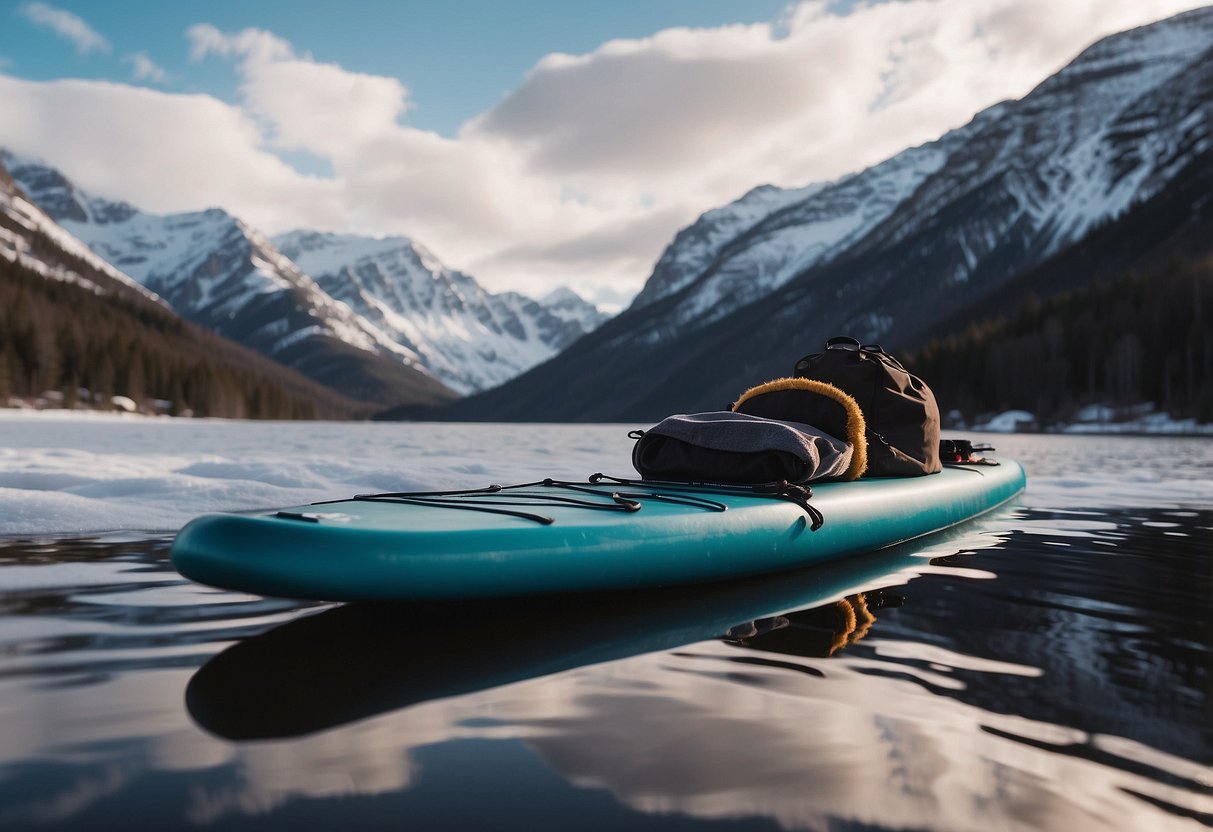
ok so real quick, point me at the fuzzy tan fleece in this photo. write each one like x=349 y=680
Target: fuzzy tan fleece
x=856 y=427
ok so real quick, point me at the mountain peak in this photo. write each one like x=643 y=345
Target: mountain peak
x=466 y=336
x=59 y=197
x=561 y=295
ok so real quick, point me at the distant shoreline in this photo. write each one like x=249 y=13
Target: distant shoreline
x=1169 y=428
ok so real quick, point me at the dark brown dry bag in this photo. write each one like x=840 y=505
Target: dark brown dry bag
x=900 y=411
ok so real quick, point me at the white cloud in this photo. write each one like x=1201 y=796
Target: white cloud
x=307 y=105
x=461 y=196
x=720 y=110
x=144 y=68
x=163 y=152
x=248 y=44
x=66 y=25
x=586 y=170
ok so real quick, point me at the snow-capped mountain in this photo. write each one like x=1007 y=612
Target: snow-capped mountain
x=467 y=337
x=892 y=251
x=30 y=237
x=217 y=271
x=714 y=272
x=106 y=339
x=1108 y=130
x=573 y=309
x=317 y=301
x=695 y=247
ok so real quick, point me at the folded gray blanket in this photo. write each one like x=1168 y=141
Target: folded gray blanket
x=730 y=447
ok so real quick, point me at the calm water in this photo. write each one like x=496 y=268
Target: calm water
x=1043 y=668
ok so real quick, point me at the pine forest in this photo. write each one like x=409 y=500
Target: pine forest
x=1142 y=338
x=62 y=343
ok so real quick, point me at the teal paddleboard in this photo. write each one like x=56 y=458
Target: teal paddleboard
x=543 y=539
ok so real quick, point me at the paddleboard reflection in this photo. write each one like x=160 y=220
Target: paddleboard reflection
x=356 y=661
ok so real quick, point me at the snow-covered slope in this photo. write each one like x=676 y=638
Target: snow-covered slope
x=696 y=246
x=468 y=337
x=572 y=308
x=217 y=271
x=803 y=227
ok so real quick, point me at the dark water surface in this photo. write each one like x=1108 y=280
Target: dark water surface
x=1038 y=669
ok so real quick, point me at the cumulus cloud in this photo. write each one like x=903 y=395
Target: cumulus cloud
x=818 y=96
x=66 y=25
x=587 y=169
x=144 y=68
x=163 y=152
x=308 y=105
x=573 y=114
x=626 y=246
x=460 y=197
x=248 y=44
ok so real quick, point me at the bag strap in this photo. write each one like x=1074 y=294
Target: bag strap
x=842 y=342
x=781 y=489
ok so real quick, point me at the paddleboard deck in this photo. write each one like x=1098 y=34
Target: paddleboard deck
x=543 y=539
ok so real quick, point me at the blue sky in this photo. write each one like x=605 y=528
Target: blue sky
x=531 y=144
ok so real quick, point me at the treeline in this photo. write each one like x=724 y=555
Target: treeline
x=1140 y=338
x=62 y=338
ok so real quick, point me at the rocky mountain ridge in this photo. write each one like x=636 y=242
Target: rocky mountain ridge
x=469 y=338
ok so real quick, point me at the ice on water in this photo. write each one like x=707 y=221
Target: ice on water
x=64 y=473
x=71 y=473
